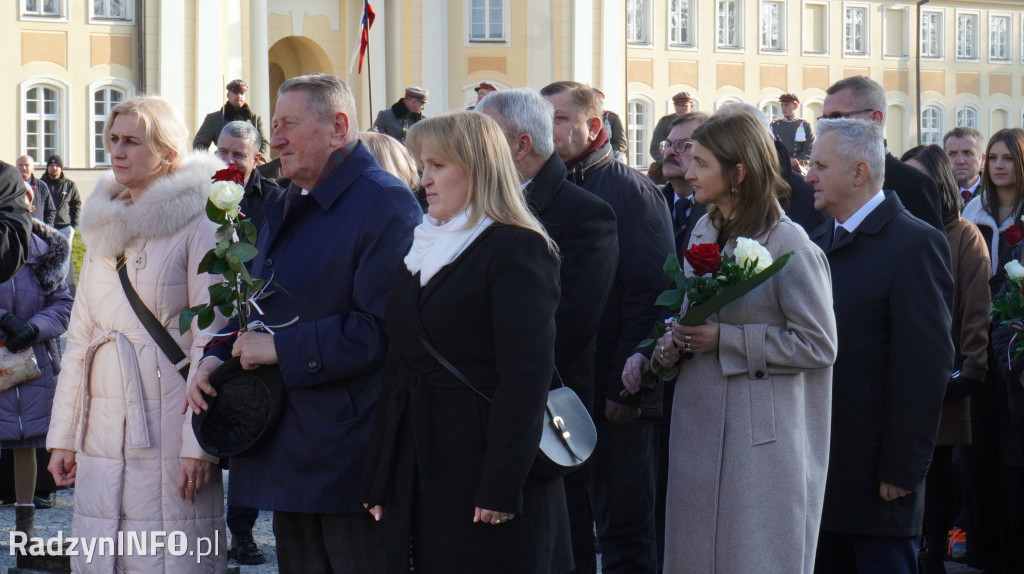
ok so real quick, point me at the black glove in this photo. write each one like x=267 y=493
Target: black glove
x=20 y=333
x=960 y=387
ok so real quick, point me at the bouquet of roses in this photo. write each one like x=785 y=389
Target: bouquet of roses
x=1009 y=307
x=236 y=246
x=717 y=280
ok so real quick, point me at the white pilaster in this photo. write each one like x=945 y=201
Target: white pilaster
x=233 y=19
x=211 y=75
x=381 y=52
x=539 y=52
x=171 y=52
x=395 y=46
x=435 y=54
x=613 y=57
x=582 y=41
x=259 y=64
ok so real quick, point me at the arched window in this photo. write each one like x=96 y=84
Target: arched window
x=103 y=100
x=772 y=110
x=931 y=125
x=638 y=119
x=42 y=121
x=967 y=116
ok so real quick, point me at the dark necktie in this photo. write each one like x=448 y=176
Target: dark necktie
x=681 y=207
x=841 y=234
x=966 y=194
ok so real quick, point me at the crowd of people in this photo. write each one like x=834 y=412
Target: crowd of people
x=435 y=277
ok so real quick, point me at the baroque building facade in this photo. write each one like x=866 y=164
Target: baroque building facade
x=942 y=62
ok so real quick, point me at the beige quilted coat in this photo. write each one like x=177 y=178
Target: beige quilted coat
x=749 y=445
x=119 y=399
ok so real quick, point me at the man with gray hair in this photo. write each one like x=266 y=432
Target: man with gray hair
x=238 y=145
x=965 y=147
x=891 y=287
x=862 y=98
x=331 y=247
x=583 y=226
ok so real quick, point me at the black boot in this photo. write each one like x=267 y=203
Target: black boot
x=24 y=520
x=245 y=551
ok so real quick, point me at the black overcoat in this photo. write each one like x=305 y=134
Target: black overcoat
x=916 y=190
x=583 y=226
x=438 y=448
x=892 y=292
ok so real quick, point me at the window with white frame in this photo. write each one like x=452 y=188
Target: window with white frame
x=931 y=34
x=728 y=24
x=999 y=37
x=967 y=116
x=636 y=21
x=42 y=121
x=773 y=30
x=40 y=7
x=103 y=100
x=487 y=20
x=772 y=110
x=681 y=24
x=110 y=9
x=931 y=125
x=855 y=30
x=967 y=36
x=637 y=120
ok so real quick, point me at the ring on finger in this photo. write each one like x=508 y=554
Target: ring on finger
x=688 y=338
x=686 y=347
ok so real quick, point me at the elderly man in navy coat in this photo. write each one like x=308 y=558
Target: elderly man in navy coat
x=331 y=246
x=892 y=291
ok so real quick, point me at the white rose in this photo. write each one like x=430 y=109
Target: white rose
x=226 y=195
x=747 y=250
x=1014 y=271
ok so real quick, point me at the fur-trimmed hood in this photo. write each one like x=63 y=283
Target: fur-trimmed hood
x=109 y=223
x=49 y=264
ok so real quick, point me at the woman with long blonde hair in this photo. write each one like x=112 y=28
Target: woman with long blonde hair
x=450 y=473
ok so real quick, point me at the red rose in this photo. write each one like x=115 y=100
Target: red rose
x=235 y=175
x=1013 y=234
x=704 y=258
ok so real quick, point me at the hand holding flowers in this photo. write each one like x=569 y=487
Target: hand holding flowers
x=717 y=280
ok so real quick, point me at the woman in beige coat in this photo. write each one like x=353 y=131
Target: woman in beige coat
x=752 y=407
x=117 y=431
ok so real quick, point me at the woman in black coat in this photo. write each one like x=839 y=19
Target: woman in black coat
x=449 y=469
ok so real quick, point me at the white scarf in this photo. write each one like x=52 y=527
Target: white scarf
x=437 y=244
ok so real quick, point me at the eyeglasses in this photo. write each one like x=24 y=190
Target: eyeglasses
x=845 y=115
x=679 y=146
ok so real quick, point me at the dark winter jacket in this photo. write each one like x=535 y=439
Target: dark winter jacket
x=209 y=132
x=45 y=210
x=38 y=294
x=396 y=121
x=15 y=222
x=66 y=200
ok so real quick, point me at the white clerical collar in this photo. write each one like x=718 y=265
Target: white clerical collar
x=853 y=222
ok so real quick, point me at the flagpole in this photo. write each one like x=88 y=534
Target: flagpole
x=369 y=79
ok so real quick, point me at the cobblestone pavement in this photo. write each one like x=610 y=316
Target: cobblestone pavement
x=58 y=519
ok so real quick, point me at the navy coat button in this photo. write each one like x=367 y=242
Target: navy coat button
x=312 y=364
x=269 y=262
x=759 y=374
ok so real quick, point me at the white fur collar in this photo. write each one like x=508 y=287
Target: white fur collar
x=109 y=224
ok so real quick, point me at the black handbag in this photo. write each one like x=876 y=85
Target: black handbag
x=569 y=434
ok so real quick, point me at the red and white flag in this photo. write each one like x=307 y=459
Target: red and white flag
x=364 y=35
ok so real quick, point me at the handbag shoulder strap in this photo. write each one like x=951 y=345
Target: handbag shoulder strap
x=451 y=368
x=159 y=333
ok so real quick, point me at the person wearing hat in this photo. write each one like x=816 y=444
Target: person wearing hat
x=66 y=200
x=235 y=109
x=481 y=91
x=794 y=133
x=396 y=120
x=684 y=104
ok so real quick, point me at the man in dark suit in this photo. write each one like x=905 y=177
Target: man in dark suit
x=624 y=466
x=862 y=98
x=678 y=191
x=333 y=245
x=892 y=289
x=583 y=226
x=239 y=145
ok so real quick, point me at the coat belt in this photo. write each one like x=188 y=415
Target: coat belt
x=131 y=382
